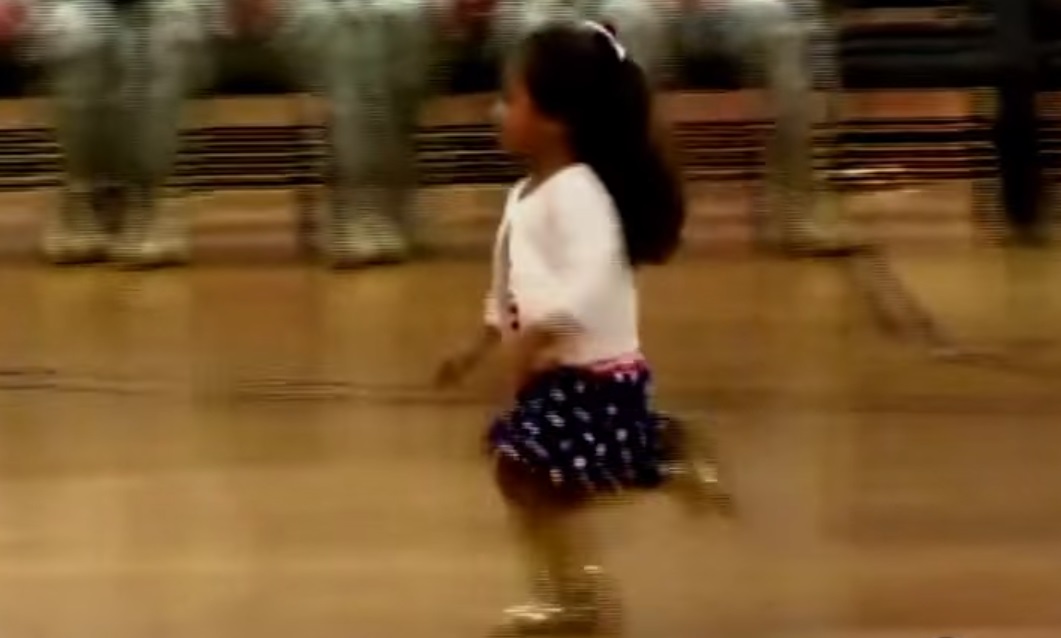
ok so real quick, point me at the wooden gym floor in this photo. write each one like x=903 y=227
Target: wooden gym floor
x=250 y=447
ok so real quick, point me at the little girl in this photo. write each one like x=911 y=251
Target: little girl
x=599 y=201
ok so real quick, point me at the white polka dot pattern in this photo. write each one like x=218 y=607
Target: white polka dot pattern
x=586 y=430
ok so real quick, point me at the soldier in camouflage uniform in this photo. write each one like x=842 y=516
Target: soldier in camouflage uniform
x=789 y=47
x=119 y=72
x=372 y=61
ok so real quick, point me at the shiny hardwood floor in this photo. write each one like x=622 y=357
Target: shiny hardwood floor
x=249 y=447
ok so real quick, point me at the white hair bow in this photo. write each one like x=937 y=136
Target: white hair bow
x=620 y=50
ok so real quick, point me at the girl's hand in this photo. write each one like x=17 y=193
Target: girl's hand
x=455 y=368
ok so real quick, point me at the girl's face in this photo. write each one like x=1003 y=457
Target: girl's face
x=524 y=130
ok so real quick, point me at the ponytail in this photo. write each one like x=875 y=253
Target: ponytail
x=584 y=79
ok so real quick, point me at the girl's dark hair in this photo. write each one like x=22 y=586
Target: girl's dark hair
x=575 y=75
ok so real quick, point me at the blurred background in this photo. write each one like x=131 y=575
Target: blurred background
x=249 y=445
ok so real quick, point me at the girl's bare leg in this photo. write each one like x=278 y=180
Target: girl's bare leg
x=569 y=592
x=694 y=469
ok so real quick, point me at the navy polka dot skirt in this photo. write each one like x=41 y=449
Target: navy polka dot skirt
x=585 y=430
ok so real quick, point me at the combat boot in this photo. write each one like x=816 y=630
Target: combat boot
x=73 y=233
x=361 y=233
x=154 y=232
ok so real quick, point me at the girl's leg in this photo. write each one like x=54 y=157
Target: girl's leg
x=693 y=468
x=560 y=554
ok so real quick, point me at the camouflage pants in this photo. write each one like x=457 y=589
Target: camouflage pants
x=119 y=76
x=788 y=49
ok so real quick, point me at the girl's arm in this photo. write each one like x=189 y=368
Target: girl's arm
x=484 y=341
x=583 y=243
x=587 y=241
x=455 y=367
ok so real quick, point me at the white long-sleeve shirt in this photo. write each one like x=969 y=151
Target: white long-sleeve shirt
x=560 y=259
